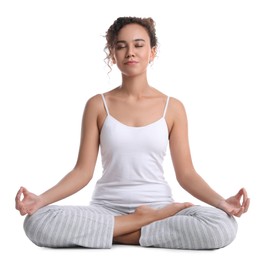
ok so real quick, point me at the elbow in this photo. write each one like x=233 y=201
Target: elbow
x=185 y=178
x=86 y=177
x=83 y=175
x=182 y=181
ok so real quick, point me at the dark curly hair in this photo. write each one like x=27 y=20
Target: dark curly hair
x=112 y=33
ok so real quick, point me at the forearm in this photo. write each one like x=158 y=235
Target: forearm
x=197 y=187
x=70 y=184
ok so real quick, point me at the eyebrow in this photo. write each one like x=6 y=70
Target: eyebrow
x=136 y=40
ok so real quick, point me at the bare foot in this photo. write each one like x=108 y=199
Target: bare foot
x=142 y=216
x=157 y=214
x=172 y=209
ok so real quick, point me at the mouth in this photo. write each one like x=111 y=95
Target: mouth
x=131 y=62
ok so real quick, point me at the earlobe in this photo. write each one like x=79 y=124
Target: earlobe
x=112 y=57
x=151 y=59
x=153 y=54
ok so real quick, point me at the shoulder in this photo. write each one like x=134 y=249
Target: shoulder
x=94 y=103
x=176 y=113
x=175 y=105
x=94 y=109
x=94 y=100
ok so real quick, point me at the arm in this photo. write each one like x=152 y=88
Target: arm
x=81 y=174
x=186 y=175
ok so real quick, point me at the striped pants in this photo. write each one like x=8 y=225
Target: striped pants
x=197 y=227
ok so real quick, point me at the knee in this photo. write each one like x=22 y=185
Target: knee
x=222 y=228
x=29 y=227
x=228 y=228
x=35 y=226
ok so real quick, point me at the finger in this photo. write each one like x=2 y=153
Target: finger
x=244 y=192
x=244 y=196
x=246 y=206
x=239 y=194
x=18 y=199
x=18 y=195
x=240 y=212
x=23 y=211
x=30 y=212
x=229 y=210
x=25 y=191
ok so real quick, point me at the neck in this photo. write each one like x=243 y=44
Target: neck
x=134 y=87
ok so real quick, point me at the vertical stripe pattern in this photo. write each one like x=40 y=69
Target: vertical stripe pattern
x=70 y=226
x=197 y=227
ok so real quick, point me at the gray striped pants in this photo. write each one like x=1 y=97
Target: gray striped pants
x=197 y=227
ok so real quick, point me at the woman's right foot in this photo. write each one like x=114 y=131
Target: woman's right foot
x=172 y=209
x=157 y=214
x=142 y=216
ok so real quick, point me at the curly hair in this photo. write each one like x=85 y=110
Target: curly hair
x=112 y=33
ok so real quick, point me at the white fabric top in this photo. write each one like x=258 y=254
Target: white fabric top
x=132 y=159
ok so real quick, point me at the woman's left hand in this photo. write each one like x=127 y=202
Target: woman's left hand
x=233 y=205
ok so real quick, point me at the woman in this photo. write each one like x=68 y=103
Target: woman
x=132 y=202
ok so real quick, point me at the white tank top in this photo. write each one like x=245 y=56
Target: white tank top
x=132 y=159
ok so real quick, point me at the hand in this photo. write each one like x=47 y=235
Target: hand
x=29 y=204
x=233 y=205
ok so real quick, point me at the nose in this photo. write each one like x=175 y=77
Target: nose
x=130 y=53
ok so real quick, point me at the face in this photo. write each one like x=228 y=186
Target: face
x=132 y=52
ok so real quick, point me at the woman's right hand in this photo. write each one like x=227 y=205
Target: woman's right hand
x=29 y=203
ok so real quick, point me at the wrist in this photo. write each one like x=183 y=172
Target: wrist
x=42 y=201
x=220 y=203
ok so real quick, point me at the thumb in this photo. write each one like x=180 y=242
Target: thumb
x=24 y=191
x=239 y=194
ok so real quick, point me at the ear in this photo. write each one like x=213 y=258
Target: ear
x=153 y=54
x=113 y=60
x=112 y=56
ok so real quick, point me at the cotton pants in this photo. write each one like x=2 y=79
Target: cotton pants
x=197 y=227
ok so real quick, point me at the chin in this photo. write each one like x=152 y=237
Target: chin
x=133 y=73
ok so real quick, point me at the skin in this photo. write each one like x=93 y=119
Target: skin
x=144 y=105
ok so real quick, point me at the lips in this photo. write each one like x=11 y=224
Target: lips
x=131 y=62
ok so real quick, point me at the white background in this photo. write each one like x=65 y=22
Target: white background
x=51 y=61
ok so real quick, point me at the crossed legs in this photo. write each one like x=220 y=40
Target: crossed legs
x=177 y=225
x=127 y=228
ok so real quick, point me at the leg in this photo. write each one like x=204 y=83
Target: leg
x=196 y=227
x=127 y=227
x=128 y=239
x=70 y=226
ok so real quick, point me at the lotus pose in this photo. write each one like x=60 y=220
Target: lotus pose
x=132 y=202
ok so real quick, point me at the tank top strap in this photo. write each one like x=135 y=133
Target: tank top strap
x=105 y=104
x=166 y=105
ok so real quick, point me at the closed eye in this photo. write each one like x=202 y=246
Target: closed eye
x=120 y=47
